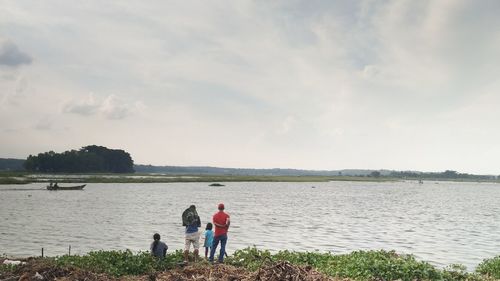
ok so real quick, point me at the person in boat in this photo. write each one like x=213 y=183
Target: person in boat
x=158 y=248
x=55 y=185
x=192 y=222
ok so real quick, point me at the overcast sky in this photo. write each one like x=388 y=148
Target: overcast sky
x=405 y=85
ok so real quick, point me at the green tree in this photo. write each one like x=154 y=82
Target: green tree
x=90 y=158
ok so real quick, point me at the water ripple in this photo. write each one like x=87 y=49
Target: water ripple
x=445 y=223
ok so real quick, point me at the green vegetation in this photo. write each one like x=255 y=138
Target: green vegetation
x=490 y=267
x=119 y=263
x=10 y=180
x=90 y=158
x=102 y=161
x=446 y=175
x=358 y=265
x=7 y=177
x=148 y=178
x=361 y=265
x=6 y=268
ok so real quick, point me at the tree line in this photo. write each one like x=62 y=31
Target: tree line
x=88 y=159
x=8 y=164
x=448 y=174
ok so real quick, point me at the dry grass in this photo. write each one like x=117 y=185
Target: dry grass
x=201 y=272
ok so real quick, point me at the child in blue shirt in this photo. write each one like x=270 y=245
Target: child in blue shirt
x=209 y=238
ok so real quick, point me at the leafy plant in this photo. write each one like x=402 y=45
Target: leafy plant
x=359 y=265
x=490 y=267
x=119 y=263
x=459 y=272
x=249 y=258
x=4 y=268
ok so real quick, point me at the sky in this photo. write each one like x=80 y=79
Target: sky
x=325 y=85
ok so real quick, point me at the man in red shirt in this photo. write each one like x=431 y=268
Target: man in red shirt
x=221 y=222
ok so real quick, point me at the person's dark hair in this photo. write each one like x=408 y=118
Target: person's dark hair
x=209 y=226
x=156 y=237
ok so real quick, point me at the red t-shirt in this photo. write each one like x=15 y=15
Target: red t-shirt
x=223 y=219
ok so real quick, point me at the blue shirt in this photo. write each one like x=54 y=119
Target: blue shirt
x=209 y=238
x=191 y=228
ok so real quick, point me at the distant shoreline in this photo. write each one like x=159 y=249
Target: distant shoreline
x=27 y=178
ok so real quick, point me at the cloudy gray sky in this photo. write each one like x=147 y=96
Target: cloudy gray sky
x=405 y=85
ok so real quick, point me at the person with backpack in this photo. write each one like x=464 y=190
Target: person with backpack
x=191 y=221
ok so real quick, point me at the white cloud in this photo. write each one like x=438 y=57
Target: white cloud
x=87 y=106
x=344 y=80
x=111 y=107
x=287 y=125
x=14 y=89
x=114 y=108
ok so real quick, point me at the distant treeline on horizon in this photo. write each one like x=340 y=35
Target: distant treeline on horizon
x=93 y=158
x=196 y=170
x=88 y=159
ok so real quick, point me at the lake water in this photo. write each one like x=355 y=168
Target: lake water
x=443 y=222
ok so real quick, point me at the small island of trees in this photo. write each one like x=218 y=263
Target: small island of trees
x=89 y=159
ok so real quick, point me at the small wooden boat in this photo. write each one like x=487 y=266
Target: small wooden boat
x=216 y=184
x=57 y=187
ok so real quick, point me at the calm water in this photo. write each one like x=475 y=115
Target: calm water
x=442 y=222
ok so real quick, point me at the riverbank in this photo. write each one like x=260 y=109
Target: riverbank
x=26 y=178
x=246 y=264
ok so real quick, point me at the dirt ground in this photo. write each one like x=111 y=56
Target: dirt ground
x=37 y=269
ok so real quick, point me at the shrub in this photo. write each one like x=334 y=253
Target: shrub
x=249 y=258
x=119 y=263
x=359 y=265
x=490 y=267
x=4 y=268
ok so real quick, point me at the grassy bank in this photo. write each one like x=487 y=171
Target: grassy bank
x=25 y=177
x=13 y=178
x=20 y=178
x=359 y=265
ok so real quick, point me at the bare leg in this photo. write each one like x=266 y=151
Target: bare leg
x=196 y=255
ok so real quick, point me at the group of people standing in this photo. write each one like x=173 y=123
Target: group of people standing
x=191 y=221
